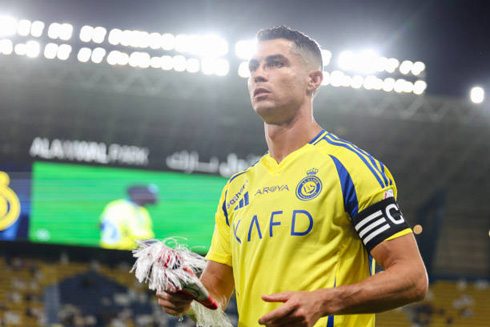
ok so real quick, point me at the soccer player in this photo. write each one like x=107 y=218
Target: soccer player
x=126 y=220
x=296 y=233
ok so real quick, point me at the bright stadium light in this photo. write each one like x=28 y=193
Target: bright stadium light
x=417 y=68
x=210 y=66
x=326 y=78
x=388 y=84
x=222 y=67
x=155 y=41
x=419 y=87
x=391 y=65
x=24 y=27
x=167 y=63
x=115 y=36
x=98 y=55
x=243 y=70
x=84 y=54
x=336 y=78
x=168 y=41
x=477 y=94
x=245 y=49
x=139 y=59
x=179 y=63
x=37 y=28
x=365 y=62
x=64 y=52
x=406 y=67
x=86 y=33
x=50 y=50
x=33 y=49
x=8 y=26
x=400 y=86
x=99 y=34
x=326 y=57
x=357 y=82
x=193 y=65
x=6 y=47
x=156 y=62
x=60 y=31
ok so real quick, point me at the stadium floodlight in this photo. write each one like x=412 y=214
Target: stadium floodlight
x=326 y=57
x=364 y=62
x=6 y=47
x=24 y=27
x=417 y=68
x=86 y=33
x=388 y=84
x=115 y=36
x=477 y=94
x=99 y=34
x=156 y=62
x=64 y=52
x=243 y=70
x=357 y=81
x=406 y=67
x=8 y=26
x=167 y=63
x=84 y=54
x=60 y=31
x=168 y=41
x=50 y=50
x=210 y=66
x=193 y=65
x=222 y=67
x=419 y=87
x=400 y=85
x=245 y=49
x=33 y=48
x=139 y=59
x=326 y=78
x=391 y=65
x=179 y=63
x=336 y=78
x=98 y=55
x=37 y=28
x=155 y=41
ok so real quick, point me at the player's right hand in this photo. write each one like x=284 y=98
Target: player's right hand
x=175 y=304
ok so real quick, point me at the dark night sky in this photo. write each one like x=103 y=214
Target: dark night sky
x=451 y=36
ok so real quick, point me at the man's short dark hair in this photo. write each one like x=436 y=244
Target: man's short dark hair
x=302 y=41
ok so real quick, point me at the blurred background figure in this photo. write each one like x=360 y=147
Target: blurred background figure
x=124 y=221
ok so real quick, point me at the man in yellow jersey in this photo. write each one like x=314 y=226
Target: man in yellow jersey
x=296 y=234
x=126 y=220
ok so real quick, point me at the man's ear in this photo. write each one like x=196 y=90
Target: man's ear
x=316 y=78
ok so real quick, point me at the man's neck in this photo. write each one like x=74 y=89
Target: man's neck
x=282 y=140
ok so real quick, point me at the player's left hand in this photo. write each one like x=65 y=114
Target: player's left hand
x=300 y=309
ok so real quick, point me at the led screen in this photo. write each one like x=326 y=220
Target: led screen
x=69 y=201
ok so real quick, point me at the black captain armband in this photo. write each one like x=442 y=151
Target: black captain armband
x=378 y=222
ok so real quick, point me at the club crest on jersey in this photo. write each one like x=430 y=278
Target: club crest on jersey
x=309 y=187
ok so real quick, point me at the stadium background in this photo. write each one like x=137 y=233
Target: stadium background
x=187 y=131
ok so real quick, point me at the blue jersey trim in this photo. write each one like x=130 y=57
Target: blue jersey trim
x=359 y=151
x=351 y=205
x=370 y=265
x=317 y=137
x=330 y=321
x=224 y=209
x=349 y=147
x=236 y=175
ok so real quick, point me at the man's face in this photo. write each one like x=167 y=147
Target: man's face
x=278 y=81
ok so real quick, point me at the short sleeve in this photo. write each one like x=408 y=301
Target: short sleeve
x=220 y=250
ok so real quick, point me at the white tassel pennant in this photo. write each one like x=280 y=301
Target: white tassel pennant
x=176 y=270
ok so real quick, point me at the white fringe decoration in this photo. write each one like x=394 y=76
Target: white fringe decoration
x=170 y=270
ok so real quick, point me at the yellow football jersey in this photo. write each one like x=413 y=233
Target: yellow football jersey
x=122 y=223
x=296 y=225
